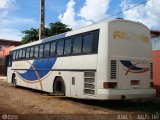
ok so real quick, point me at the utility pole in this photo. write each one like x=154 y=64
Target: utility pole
x=42 y=20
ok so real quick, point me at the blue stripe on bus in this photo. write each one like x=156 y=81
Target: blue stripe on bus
x=46 y=64
x=129 y=65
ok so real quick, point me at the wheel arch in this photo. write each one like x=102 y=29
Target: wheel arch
x=63 y=83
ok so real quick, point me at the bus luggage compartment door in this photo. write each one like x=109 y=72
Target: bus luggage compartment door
x=133 y=75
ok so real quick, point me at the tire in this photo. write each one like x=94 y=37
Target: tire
x=14 y=80
x=58 y=87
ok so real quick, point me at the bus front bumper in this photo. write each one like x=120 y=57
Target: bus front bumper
x=117 y=94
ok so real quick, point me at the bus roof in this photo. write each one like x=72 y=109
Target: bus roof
x=76 y=31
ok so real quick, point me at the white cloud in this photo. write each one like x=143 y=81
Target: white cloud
x=91 y=12
x=10 y=34
x=69 y=17
x=16 y=21
x=5 y=31
x=2 y=3
x=6 y=6
x=147 y=14
x=9 y=25
x=94 y=10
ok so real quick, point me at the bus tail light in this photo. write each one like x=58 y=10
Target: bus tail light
x=109 y=85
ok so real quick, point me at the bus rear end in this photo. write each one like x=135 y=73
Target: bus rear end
x=129 y=61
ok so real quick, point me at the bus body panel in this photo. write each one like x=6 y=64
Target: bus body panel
x=128 y=39
x=114 y=45
x=66 y=67
x=133 y=54
x=116 y=94
x=102 y=64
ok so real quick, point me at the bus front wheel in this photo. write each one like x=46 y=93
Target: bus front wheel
x=58 y=87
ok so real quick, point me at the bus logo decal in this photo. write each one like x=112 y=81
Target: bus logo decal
x=38 y=70
x=132 y=68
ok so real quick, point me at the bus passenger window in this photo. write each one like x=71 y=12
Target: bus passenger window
x=77 y=44
x=14 y=55
x=36 y=49
x=87 y=43
x=24 y=53
x=53 y=49
x=17 y=53
x=46 y=49
x=20 y=54
x=60 y=47
x=68 y=46
x=41 y=50
x=31 y=52
x=27 y=52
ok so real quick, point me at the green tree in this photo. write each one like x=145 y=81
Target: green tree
x=30 y=35
x=53 y=29
x=57 y=28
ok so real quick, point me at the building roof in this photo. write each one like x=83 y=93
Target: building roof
x=155 y=33
x=9 y=42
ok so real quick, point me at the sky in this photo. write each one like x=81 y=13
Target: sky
x=19 y=15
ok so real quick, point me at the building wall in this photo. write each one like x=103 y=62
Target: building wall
x=5 y=47
x=156 y=70
x=5 y=51
x=156 y=59
x=8 y=43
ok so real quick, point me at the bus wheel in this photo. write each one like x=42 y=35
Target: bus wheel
x=59 y=87
x=14 y=80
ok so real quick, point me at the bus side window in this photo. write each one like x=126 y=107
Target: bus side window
x=68 y=46
x=24 y=53
x=36 y=49
x=87 y=43
x=77 y=44
x=17 y=53
x=95 y=41
x=46 y=49
x=60 y=46
x=20 y=54
x=14 y=55
x=53 y=49
x=41 y=50
x=31 y=52
x=27 y=52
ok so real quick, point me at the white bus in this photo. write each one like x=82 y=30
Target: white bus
x=108 y=60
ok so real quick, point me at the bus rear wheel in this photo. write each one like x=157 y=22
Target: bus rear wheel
x=59 y=87
x=14 y=80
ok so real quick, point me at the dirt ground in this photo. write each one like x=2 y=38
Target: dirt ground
x=21 y=103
